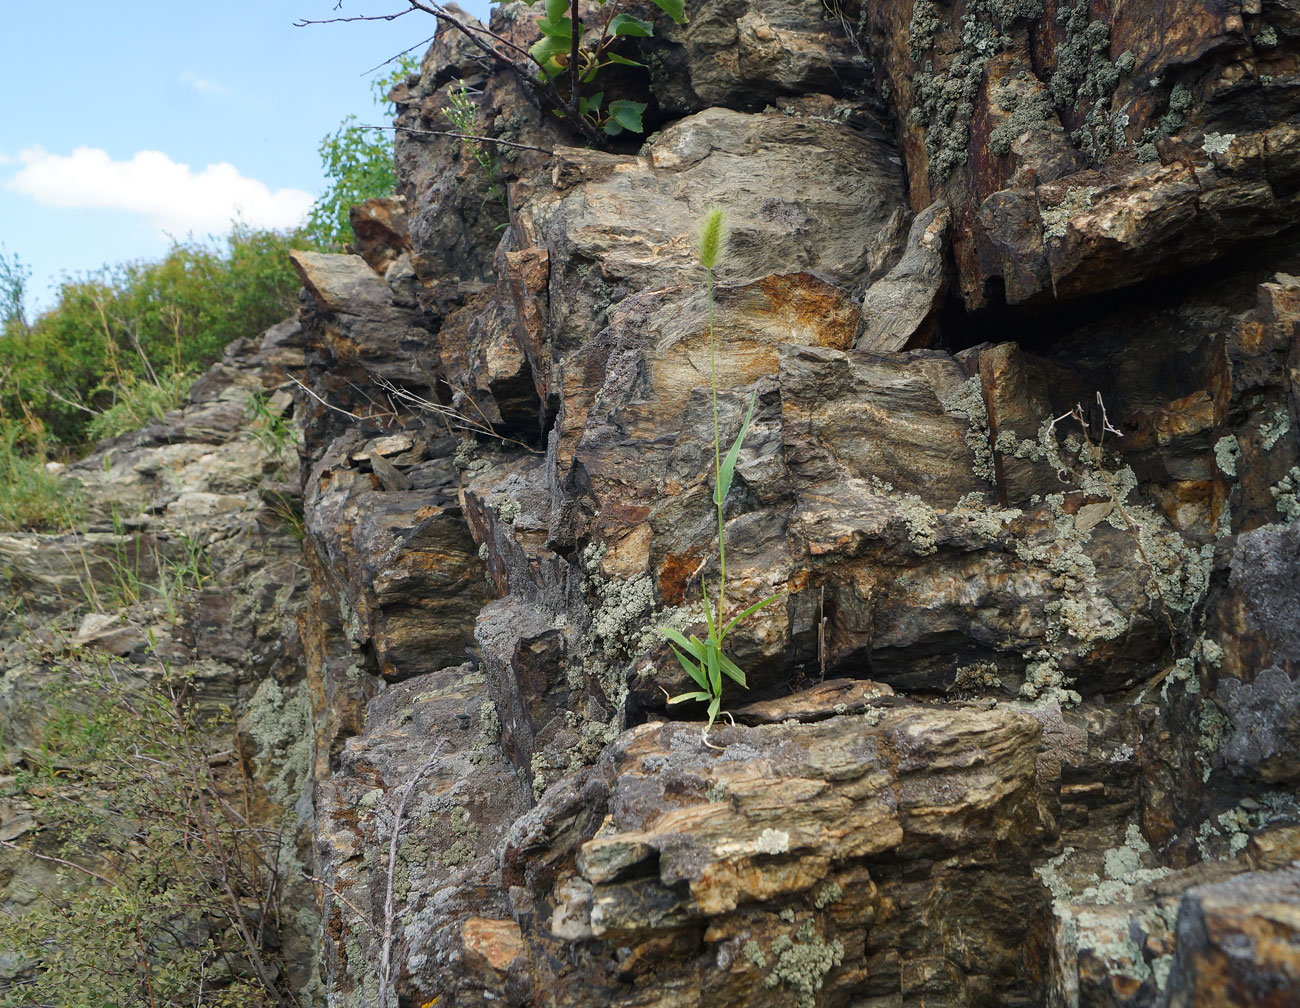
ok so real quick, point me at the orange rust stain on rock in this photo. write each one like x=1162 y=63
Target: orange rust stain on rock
x=806 y=302
x=674 y=574
x=498 y=943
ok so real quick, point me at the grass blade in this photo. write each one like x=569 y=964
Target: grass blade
x=713 y=667
x=751 y=610
x=728 y=466
x=733 y=671
x=692 y=669
x=708 y=612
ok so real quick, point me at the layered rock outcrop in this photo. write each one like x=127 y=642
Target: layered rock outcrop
x=1044 y=554
x=1023 y=713
x=1011 y=290
x=188 y=571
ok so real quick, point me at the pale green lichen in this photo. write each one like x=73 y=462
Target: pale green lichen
x=1085 y=77
x=980 y=675
x=1045 y=681
x=460 y=852
x=1226 y=453
x=1123 y=872
x=1056 y=219
x=922 y=524
x=489 y=733
x=1214 y=729
x=1286 y=495
x=945 y=97
x=280 y=723
x=754 y=953
x=922 y=29
x=507 y=508
x=969 y=400
x=829 y=893
x=1217 y=143
x=465 y=452
x=1181 y=101
x=1274 y=429
x=1267 y=39
x=803 y=962
x=623 y=625
x=1026 y=112
x=1226 y=835
x=772 y=841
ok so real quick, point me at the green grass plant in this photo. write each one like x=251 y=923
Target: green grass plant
x=32 y=497
x=704 y=659
x=137 y=400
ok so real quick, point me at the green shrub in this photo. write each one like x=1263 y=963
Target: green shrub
x=359 y=164
x=113 y=329
x=139 y=400
x=167 y=893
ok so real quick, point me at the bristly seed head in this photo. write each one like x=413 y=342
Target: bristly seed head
x=711 y=239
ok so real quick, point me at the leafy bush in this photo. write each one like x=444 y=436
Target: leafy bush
x=593 y=46
x=139 y=400
x=113 y=330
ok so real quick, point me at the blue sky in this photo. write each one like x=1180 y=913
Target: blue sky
x=123 y=121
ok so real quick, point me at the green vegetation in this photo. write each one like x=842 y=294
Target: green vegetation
x=358 y=161
x=167 y=892
x=114 y=333
x=560 y=43
x=30 y=495
x=704 y=660
x=463 y=115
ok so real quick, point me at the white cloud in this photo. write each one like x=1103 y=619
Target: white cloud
x=202 y=84
x=172 y=196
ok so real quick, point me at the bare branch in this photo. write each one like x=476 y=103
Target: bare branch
x=461 y=136
x=386 y=954
x=304 y=22
x=59 y=861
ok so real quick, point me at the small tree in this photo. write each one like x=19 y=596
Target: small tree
x=359 y=163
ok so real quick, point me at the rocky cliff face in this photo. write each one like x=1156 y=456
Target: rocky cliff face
x=1012 y=287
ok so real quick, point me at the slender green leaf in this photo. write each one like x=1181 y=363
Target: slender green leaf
x=751 y=610
x=714 y=705
x=728 y=467
x=675 y=9
x=708 y=611
x=692 y=669
x=692 y=646
x=626 y=24
x=622 y=60
x=713 y=668
x=683 y=697
x=733 y=671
